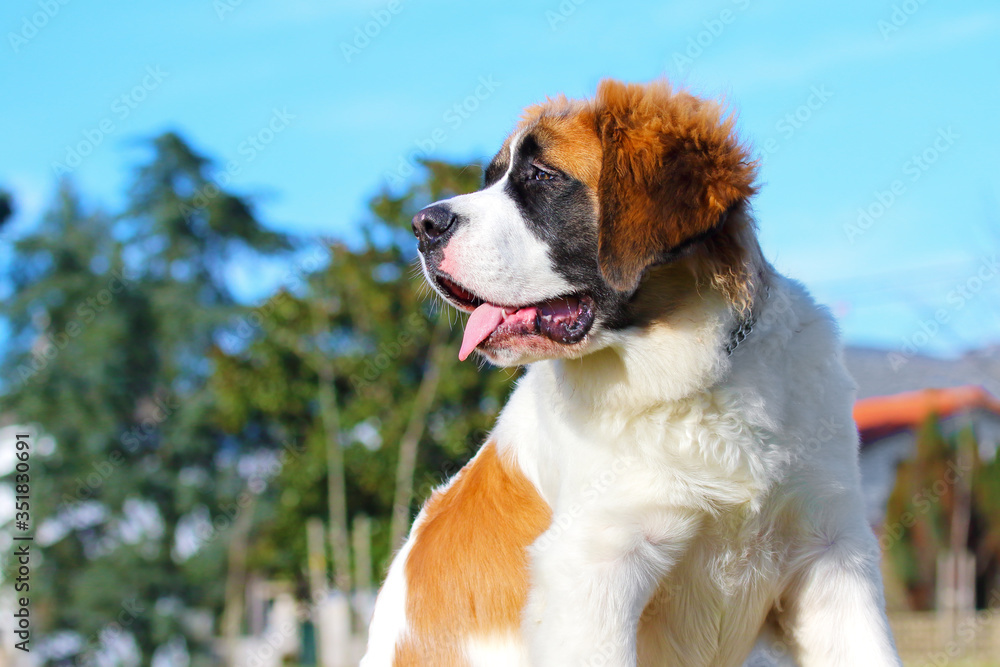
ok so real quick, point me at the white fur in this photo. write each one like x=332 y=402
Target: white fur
x=694 y=495
x=388 y=623
x=704 y=493
x=500 y=651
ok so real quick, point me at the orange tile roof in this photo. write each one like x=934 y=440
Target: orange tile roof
x=879 y=416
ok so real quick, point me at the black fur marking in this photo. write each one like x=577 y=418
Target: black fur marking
x=497 y=168
x=561 y=213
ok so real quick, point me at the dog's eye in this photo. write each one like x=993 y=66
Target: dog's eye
x=539 y=174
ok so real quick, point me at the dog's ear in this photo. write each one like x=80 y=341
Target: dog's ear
x=671 y=169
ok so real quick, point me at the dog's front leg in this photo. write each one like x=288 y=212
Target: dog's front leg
x=835 y=613
x=591 y=577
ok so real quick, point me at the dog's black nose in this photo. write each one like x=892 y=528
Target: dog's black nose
x=431 y=223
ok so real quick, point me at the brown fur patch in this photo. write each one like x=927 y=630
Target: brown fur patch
x=729 y=260
x=414 y=653
x=467 y=571
x=567 y=133
x=665 y=290
x=671 y=168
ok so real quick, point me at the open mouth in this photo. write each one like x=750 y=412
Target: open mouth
x=564 y=319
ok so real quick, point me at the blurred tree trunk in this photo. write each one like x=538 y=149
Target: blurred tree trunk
x=340 y=547
x=318 y=585
x=236 y=575
x=336 y=487
x=415 y=430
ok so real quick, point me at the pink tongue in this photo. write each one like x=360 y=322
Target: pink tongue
x=483 y=321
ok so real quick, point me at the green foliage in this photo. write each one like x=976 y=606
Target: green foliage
x=113 y=320
x=6 y=207
x=376 y=322
x=923 y=514
x=914 y=551
x=168 y=401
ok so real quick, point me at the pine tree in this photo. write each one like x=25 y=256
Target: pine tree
x=113 y=321
x=185 y=430
x=6 y=207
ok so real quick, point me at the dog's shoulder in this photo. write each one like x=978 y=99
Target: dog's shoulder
x=463 y=570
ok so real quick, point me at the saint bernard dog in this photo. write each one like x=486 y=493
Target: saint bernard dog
x=675 y=476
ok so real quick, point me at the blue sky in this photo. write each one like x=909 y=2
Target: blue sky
x=882 y=107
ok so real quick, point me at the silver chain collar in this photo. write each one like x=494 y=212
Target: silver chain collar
x=745 y=328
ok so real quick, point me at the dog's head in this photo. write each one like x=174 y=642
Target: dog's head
x=583 y=198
